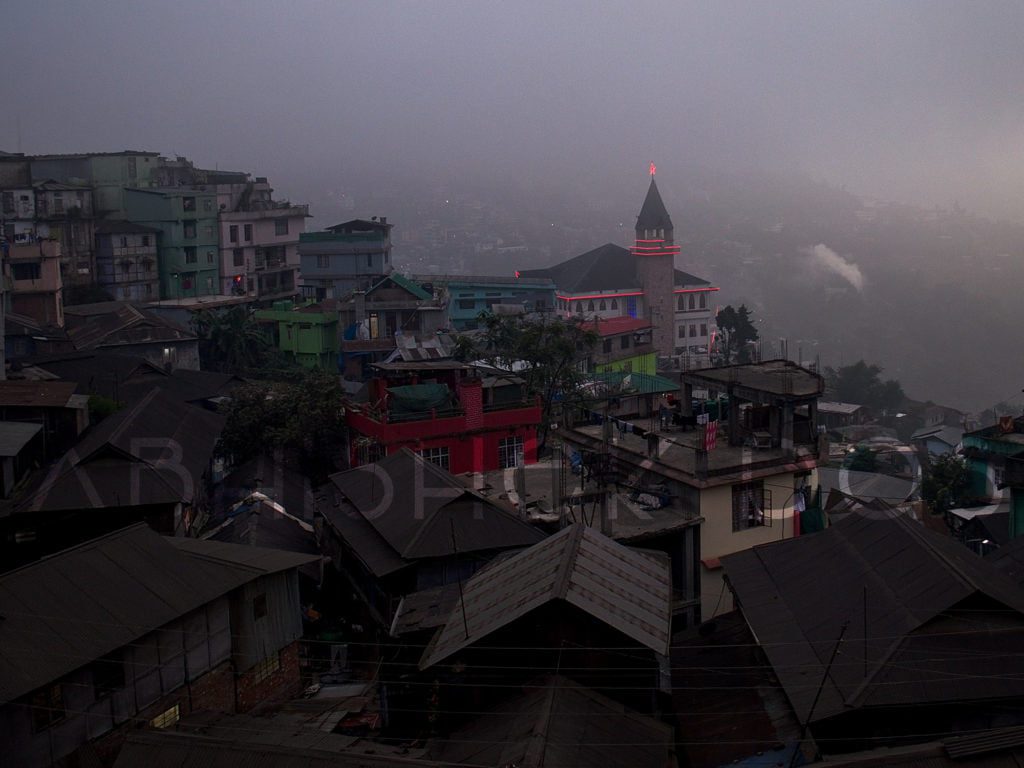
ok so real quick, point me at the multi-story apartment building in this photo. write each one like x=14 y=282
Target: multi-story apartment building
x=746 y=478
x=259 y=240
x=126 y=260
x=36 y=287
x=465 y=296
x=187 y=249
x=108 y=173
x=64 y=212
x=351 y=256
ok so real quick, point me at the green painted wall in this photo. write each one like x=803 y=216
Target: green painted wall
x=188 y=243
x=310 y=338
x=639 y=363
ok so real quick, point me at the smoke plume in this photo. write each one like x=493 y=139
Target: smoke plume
x=832 y=261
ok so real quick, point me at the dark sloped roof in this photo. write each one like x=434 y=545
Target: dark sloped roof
x=626 y=589
x=404 y=283
x=558 y=722
x=115 y=323
x=386 y=495
x=134 y=457
x=653 y=214
x=15 y=435
x=36 y=394
x=73 y=607
x=796 y=594
x=1009 y=559
x=608 y=267
x=358 y=225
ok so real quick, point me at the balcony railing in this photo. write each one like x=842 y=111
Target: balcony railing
x=383 y=344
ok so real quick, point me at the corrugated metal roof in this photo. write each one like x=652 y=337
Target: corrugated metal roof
x=386 y=495
x=928 y=600
x=36 y=394
x=62 y=612
x=622 y=587
x=134 y=457
x=778 y=377
x=558 y=722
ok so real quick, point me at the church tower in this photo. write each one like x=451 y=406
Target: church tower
x=655 y=253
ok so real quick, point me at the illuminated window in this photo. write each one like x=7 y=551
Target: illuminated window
x=267 y=667
x=167 y=718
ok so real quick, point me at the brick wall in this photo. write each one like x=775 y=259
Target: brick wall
x=282 y=684
x=213 y=691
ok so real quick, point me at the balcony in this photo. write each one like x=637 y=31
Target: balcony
x=387 y=427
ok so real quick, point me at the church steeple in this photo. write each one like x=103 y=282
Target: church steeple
x=653 y=216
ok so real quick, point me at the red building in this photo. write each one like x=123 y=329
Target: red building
x=454 y=415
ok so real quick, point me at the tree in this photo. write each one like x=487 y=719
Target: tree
x=863 y=459
x=861 y=383
x=945 y=483
x=231 y=340
x=739 y=331
x=545 y=353
x=304 y=417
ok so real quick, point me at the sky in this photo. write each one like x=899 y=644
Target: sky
x=918 y=102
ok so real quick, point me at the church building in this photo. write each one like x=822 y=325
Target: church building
x=641 y=282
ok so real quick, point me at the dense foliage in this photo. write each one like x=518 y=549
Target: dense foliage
x=862 y=384
x=304 y=417
x=547 y=353
x=231 y=340
x=737 y=331
x=945 y=483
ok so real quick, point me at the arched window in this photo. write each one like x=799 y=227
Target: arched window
x=615 y=305
x=602 y=307
x=703 y=301
x=681 y=302
x=590 y=306
x=579 y=307
x=693 y=302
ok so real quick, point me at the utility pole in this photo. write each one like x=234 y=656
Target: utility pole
x=817 y=695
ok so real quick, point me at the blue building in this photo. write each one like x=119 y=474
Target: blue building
x=466 y=296
x=347 y=257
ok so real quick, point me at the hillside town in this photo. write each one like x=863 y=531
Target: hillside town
x=272 y=497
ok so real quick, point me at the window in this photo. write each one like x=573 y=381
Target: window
x=47 y=707
x=467 y=304
x=28 y=271
x=751 y=506
x=323 y=262
x=607 y=346
x=692 y=303
x=280 y=226
x=108 y=674
x=693 y=330
x=209 y=257
x=188 y=203
x=624 y=342
x=681 y=304
x=190 y=254
x=248 y=233
x=260 y=257
x=437 y=456
x=615 y=304
x=681 y=331
x=602 y=307
x=233 y=233
x=259 y=606
x=189 y=230
x=238 y=257
x=590 y=306
x=145 y=241
x=167 y=718
x=126 y=266
x=510 y=452
x=703 y=301
x=579 y=306
x=703 y=329
x=267 y=667
x=369 y=259
x=124 y=242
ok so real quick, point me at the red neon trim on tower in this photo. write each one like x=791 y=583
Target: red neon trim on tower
x=649 y=241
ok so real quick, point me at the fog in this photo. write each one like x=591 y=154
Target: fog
x=916 y=102
x=909 y=101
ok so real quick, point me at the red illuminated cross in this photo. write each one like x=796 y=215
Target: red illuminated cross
x=653 y=169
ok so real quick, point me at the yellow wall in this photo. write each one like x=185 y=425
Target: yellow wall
x=718 y=539
x=638 y=363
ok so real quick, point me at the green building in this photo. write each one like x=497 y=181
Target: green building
x=303 y=332
x=995 y=459
x=108 y=173
x=188 y=243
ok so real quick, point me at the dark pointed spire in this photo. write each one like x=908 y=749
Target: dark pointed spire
x=653 y=214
